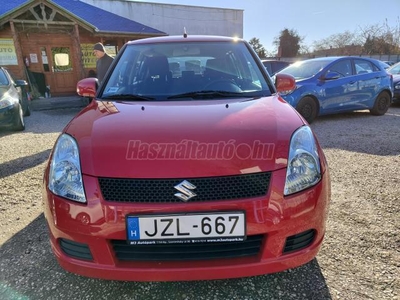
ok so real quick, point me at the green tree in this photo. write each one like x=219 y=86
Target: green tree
x=258 y=47
x=288 y=43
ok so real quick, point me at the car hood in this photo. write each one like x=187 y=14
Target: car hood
x=396 y=78
x=3 y=90
x=183 y=139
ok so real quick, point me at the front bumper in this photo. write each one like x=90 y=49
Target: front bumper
x=98 y=224
x=396 y=96
x=8 y=115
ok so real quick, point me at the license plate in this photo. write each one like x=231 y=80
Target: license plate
x=186 y=228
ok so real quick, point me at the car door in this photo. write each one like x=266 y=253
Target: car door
x=338 y=87
x=369 y=82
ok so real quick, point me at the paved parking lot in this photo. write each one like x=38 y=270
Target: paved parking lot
x=360 y=257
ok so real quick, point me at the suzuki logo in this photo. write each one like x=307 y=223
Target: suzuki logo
x=185 y=188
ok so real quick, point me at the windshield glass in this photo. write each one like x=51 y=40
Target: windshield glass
x=162 y=71
x=3 y=78
x=305 y=69
x=395 y=69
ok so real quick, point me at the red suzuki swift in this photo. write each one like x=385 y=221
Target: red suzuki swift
x=186 y=165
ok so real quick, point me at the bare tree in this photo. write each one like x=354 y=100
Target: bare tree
x=370 y=39
x=381 y=39
x=337 y=41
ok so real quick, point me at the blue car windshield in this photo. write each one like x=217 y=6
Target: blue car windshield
x=305 y=69
x=172 y=70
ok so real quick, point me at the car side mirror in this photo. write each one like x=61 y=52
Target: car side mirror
x=20 y=82
x=87 y=87
x=284 y=83
x=331 y=76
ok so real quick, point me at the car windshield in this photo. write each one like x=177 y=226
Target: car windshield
x=395 y=69
x=186 y=70
x=3 y=78
x=305 y=69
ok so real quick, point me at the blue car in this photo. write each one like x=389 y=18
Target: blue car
x=329 y=85
x=395 y=71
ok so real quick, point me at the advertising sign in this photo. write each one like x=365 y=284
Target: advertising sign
x=89 y=60
x=8 y=56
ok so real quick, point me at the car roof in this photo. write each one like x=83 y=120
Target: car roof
x=181 y=38
x=274 y=60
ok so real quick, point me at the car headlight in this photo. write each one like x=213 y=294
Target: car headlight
x=397 y=86
x=6 y=101
x=304 y=169
x=65 y=176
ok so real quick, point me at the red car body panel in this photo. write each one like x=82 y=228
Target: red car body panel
x=117 y=142
x=98 y=221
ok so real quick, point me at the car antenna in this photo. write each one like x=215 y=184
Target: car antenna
x=184 y=32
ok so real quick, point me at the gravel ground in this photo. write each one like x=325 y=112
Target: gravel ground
x=360 y=257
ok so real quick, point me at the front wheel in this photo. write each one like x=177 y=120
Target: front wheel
x=25 y=102
x=381 y=105
x=19 y=123
x=308 y=108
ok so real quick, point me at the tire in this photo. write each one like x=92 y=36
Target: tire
x=381 y=105
x=26 y=106
x=308 y=108
x=19 y=124
x=27 y=112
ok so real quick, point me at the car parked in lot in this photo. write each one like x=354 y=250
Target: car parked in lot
x=383 y=64
x=274 y=66
x=329 y=85
x=389 y=62
x=14 y=101
x=201 y=173
x=395 y=71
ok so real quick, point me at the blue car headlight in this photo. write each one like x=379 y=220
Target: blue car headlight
x=65 y=176
x=304 y=168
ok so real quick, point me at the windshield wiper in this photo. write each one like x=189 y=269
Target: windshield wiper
x=128 y=97
x=207 y=95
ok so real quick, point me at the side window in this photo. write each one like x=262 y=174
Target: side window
x=364 y=67
x=343 y=68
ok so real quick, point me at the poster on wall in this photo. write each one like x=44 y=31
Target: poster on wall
x=8 y=56
x=34 y=58
x=89 y=60
x=111 y=50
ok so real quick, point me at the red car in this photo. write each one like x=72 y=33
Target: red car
x=187 y=165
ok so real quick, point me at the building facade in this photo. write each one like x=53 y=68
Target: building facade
x=173 y=18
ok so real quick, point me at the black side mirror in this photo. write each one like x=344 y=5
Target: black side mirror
x=20 y=82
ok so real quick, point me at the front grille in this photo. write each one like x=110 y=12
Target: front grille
x=207 y=188
x=75 y=250
x=197 y=251
x=299 y=241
